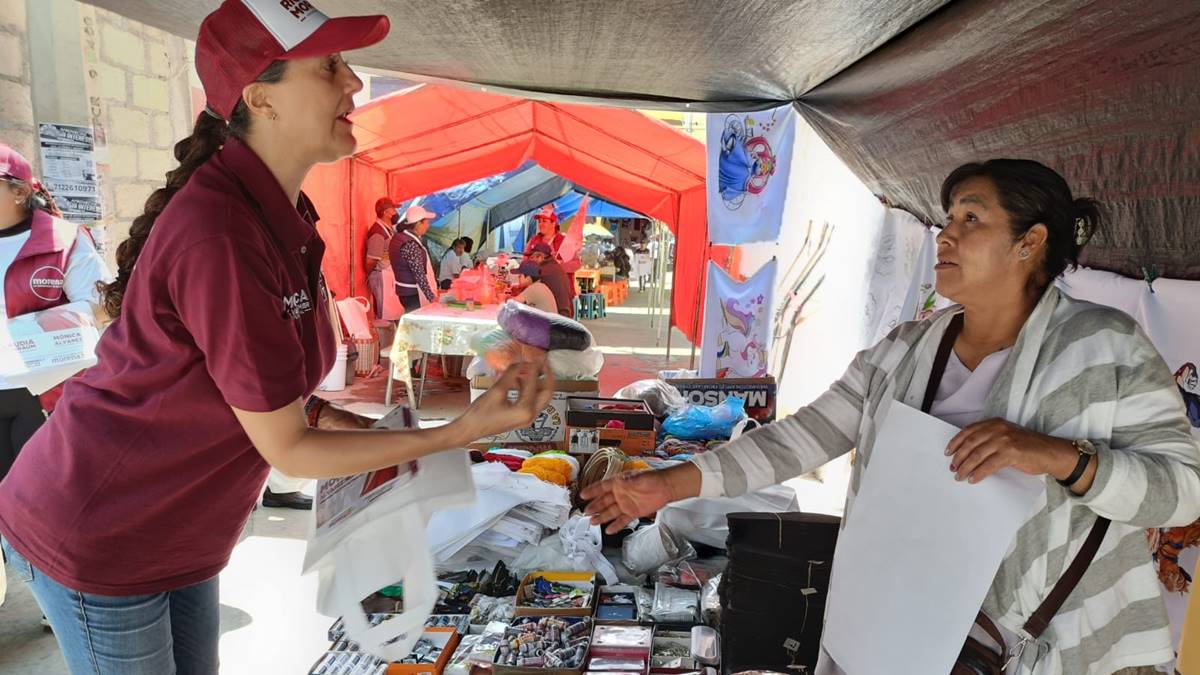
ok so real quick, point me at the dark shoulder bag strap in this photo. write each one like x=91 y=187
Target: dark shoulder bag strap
x=1037 y=623
x=940 y=360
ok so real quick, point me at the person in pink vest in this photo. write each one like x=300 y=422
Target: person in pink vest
x=46 y=262
x=122 y=510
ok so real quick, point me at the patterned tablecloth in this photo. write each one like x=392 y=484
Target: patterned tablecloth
x=437 y=329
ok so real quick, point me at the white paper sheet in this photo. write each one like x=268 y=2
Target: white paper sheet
x=919 y=552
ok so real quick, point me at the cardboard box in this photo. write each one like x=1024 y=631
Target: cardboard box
x=586 y=431
x=757 y=392
x=574 y=578
x=499 y=669
x=548 y=431
x=446 y=638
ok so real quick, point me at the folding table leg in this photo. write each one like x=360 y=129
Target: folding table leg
x=421 y=389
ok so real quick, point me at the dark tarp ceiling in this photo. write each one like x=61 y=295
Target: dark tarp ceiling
x=1105 y=91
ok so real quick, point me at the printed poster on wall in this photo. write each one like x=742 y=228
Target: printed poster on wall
x=737 y=323
x=749 y=161
x=69 y=171
x=1168 y=316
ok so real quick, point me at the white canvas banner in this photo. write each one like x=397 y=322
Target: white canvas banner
x=902 y=276
x=1168 y=315
x=749 y=161
x=737 y=323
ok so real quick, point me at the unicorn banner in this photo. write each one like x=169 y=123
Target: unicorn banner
x=737 y=324
x=749 y=161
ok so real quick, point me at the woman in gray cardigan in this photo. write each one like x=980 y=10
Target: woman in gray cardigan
x=1050 y=386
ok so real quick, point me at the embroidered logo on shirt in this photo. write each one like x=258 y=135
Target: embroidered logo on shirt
x=296 y=304
x=47 y=283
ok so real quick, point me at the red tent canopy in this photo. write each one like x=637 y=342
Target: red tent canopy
x=433 y=137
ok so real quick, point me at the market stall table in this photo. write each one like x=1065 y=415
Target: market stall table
x=434 y=329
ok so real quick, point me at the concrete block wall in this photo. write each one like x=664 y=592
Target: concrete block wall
x=138 y=100
x=140 y=82
x=17 y=127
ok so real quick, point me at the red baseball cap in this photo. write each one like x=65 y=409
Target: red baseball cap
x=242 y=38
x=13 y=165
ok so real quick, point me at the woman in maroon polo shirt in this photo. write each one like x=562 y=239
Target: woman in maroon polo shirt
x=122 y=509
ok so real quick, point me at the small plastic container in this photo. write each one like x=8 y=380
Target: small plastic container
x=336 y=379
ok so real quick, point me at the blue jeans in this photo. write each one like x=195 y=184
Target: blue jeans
x=176 y=632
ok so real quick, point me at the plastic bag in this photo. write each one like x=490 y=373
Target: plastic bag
x=710 y=602
x=542 y=329
x=674 y=605
x=361 y=540
x=704 y=520
x=568 y=364
x=577 y=548
x=652 y=546
x=499 y=351
x=702 y=422
x=354 y=315
x=662 y=398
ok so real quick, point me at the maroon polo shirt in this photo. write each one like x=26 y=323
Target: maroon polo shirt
x=142 y=479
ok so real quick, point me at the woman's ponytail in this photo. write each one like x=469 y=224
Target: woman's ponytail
x=193 y=151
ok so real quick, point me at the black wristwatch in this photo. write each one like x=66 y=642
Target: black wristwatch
x=1086 y=451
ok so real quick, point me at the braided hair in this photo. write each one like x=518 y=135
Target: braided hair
x=208 y=135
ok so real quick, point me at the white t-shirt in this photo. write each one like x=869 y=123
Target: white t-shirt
x=84 y=268
x=451 y=266
x=539 y=296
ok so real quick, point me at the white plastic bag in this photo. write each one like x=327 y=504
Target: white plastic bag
x=567 y=364
x=354 y=313
x=367 y=532
x=652 y=546
x=703 y=520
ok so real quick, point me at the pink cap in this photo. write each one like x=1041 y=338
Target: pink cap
x=13 y=165
x=416 y=214
x=239 y=40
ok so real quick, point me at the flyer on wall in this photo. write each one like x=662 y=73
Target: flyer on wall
x=69 y=170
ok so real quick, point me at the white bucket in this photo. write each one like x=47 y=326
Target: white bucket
x=336 y=379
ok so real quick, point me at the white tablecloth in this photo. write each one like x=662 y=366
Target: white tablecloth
x=437 y=329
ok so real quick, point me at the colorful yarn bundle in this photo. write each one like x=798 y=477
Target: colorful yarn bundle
x=511 y=458
x=672 y=447
x=636 y=465
x=553 y=467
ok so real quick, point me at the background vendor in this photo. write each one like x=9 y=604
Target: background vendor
x=554 y=277
x=410 y=260
x=378 y=237
x=548 y=232
x=533 y=292
x=46 y=262
x=453 y=263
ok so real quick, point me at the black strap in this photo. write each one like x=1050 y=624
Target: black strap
x=1037 y=623
x=939 y=361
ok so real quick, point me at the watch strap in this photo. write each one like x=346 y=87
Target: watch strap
x=1080 y=467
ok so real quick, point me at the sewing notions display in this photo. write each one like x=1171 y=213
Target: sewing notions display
x=545 y=594
x=546 y=642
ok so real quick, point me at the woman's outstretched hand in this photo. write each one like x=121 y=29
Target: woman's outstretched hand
x=622 y=499
x=493 y=413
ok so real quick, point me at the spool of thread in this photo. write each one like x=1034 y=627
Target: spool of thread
x=531 y=662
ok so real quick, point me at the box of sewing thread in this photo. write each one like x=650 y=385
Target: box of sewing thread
x=546 y=593
x=544 y=645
